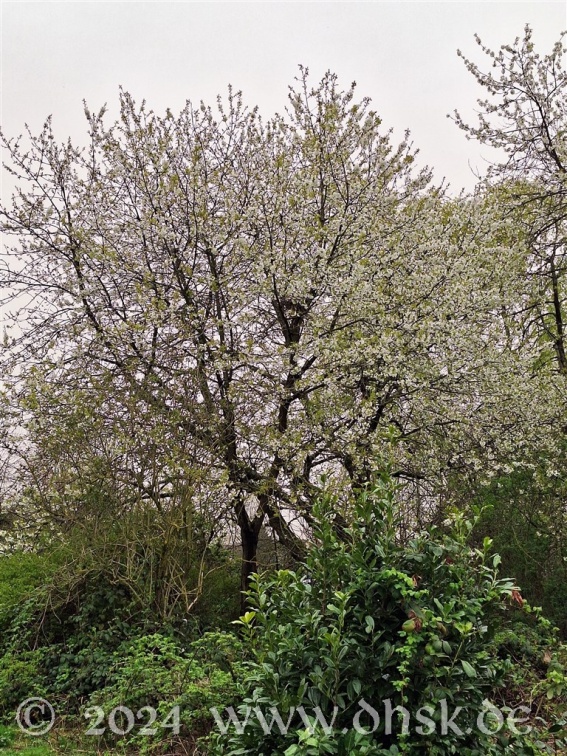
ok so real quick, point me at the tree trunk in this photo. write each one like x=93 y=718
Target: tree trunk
x=249 y=534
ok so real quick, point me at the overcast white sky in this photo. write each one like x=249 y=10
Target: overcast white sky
x=402 y=55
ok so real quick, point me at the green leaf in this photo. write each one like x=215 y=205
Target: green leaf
x=469 y=670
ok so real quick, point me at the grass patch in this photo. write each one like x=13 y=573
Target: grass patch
x=57 y=743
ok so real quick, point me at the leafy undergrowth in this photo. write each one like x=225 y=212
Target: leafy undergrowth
x=366 y=617
x=376 y=627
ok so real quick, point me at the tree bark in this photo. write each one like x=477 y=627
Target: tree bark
x=249 y=535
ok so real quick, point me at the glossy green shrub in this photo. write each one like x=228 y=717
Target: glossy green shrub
x=369 y=619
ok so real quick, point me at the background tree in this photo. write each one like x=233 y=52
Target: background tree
x=525 y=117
